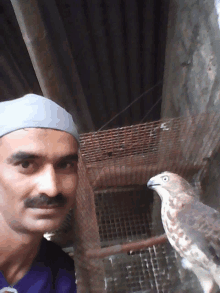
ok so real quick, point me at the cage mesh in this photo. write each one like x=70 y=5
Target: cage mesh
x=113 y=205
x=140 y=272
x=123 y=215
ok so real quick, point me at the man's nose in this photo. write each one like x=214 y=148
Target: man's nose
x=47 y=182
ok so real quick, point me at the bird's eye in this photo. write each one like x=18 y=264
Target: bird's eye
x=165 y=178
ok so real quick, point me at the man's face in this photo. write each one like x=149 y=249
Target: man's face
x=38 y=178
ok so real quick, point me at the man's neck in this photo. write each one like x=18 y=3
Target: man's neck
x=17 y=253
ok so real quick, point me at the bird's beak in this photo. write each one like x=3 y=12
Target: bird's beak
x=151 y=183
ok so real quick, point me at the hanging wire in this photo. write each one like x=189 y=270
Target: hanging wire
x=146 y=92
x=151 y=108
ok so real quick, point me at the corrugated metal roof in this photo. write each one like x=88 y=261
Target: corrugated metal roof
x=118 y=48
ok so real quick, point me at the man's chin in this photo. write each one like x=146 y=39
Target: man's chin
x=39 y=226
x=41 y=231
x=48 y=225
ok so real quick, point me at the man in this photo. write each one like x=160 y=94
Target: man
x=38 y=181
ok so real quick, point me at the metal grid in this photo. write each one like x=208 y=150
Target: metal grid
x=123 y=215
x=130 y=155
x=126 y=216
x=114 y=207
x=141 y=272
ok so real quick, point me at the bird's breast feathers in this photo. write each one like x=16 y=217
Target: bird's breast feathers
x=179 y=239
x=175 y=234
x=192 y=228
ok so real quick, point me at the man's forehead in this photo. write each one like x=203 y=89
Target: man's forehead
x=37 y=132
x=39 y=141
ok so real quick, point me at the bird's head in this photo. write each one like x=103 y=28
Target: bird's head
x=169 y=184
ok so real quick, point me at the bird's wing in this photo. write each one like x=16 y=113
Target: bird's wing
x=202 y=224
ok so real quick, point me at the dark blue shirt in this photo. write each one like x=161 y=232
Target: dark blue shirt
x=51 y=271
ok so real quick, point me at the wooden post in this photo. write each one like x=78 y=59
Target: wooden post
x=89 y=272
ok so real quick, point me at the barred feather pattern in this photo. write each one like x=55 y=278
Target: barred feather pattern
x=192 y=228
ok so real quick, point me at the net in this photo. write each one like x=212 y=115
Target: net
x=114 y=207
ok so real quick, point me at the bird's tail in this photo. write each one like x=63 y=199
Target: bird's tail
x=206 y=279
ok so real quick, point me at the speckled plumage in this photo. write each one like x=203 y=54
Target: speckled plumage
x=192 y=228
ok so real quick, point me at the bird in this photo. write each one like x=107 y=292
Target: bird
x=192 y=228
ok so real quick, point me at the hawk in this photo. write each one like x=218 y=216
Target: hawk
x=192 y=228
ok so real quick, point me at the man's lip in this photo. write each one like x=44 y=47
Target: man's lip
x=47 y=207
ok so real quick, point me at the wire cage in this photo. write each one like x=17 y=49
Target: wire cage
x=115 y=214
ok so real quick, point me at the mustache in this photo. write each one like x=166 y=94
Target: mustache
x=42 y=200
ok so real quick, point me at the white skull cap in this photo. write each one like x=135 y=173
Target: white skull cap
x=34 y=111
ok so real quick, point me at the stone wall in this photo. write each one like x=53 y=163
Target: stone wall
x=192 y=80
x=192 y=65
x=192 y=73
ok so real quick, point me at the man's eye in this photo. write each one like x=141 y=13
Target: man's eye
x=26 y=167
x=25 y=164
x=66 y=165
